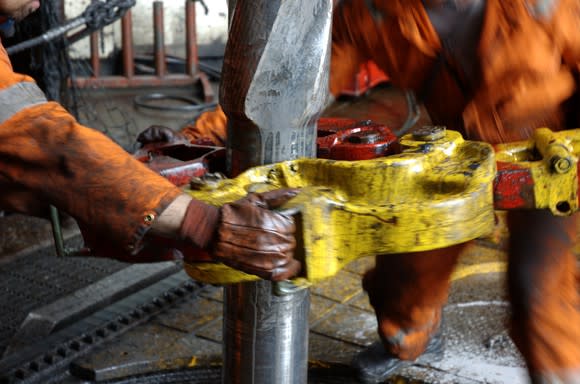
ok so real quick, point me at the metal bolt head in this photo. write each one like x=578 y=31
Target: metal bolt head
x=209 y=181
x=364 y=137
x=429 y=133
x=561 y=165
x=363 y=123
x=149 y=218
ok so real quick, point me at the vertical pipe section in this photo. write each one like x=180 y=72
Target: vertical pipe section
x=159 y=37
x=191 y=38
x=127 y=45
x=275 y=79
x=231 y=8
x=274 y=87
x=265 y=335
x=95 y=59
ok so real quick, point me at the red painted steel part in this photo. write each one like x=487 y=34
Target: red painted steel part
x=179 y=163
x=338 y=139
x=349 y=139
x=368 y=76
x=513 y=187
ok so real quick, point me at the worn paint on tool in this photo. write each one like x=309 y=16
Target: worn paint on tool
x=180 y=162
x=432 y=195
x=424 y=198
x=193 y=362
x=465 y=271
x=349 y=139
x=513 y=187
x=541 y=173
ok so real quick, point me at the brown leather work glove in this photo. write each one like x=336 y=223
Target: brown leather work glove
x=160 y=134
x=246 y=234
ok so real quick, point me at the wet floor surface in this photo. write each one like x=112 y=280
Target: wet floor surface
x=478 y=348
x=189 y=334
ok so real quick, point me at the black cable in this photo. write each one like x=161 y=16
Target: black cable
x=149 y=101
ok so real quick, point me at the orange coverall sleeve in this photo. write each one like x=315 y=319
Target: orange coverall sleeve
x=47 y=157
x=566 y=28
x=512 y=104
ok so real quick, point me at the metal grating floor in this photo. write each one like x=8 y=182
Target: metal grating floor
x=40 y=279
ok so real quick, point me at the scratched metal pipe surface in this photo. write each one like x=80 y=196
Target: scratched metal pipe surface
x=274 y=88
x=275 y=80
x=265 y=335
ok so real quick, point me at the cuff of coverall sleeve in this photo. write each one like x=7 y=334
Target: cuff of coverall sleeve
x=199 y=224
x=135 y=243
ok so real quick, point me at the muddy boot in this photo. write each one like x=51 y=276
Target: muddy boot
x=375 y=365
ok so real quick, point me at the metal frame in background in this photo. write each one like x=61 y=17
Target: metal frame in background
x=160 y=77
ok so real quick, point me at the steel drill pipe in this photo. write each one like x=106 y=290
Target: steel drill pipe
x=274 y=87
x=275 y=80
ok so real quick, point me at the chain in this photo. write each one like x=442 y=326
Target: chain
x=96 y=16
x=102 y=13
x=204 y=5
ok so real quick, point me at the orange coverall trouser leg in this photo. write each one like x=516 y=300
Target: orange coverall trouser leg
x=544 y=292
x=408 y=291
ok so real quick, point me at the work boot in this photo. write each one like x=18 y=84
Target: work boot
x=374 y=364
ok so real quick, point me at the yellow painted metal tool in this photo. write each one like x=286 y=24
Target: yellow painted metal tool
x=436 y=193
x=540 y=173
x=440 y=191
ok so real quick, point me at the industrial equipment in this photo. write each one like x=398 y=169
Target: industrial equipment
x=432 y=190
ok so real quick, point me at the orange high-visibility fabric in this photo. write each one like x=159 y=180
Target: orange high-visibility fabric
x=407 y=292
x=543 y=290
x=47 y=157
x=528 y=65
x=211 y=125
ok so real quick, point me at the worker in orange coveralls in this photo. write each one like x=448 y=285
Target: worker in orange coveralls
x=46 y=157
x=494 y=70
